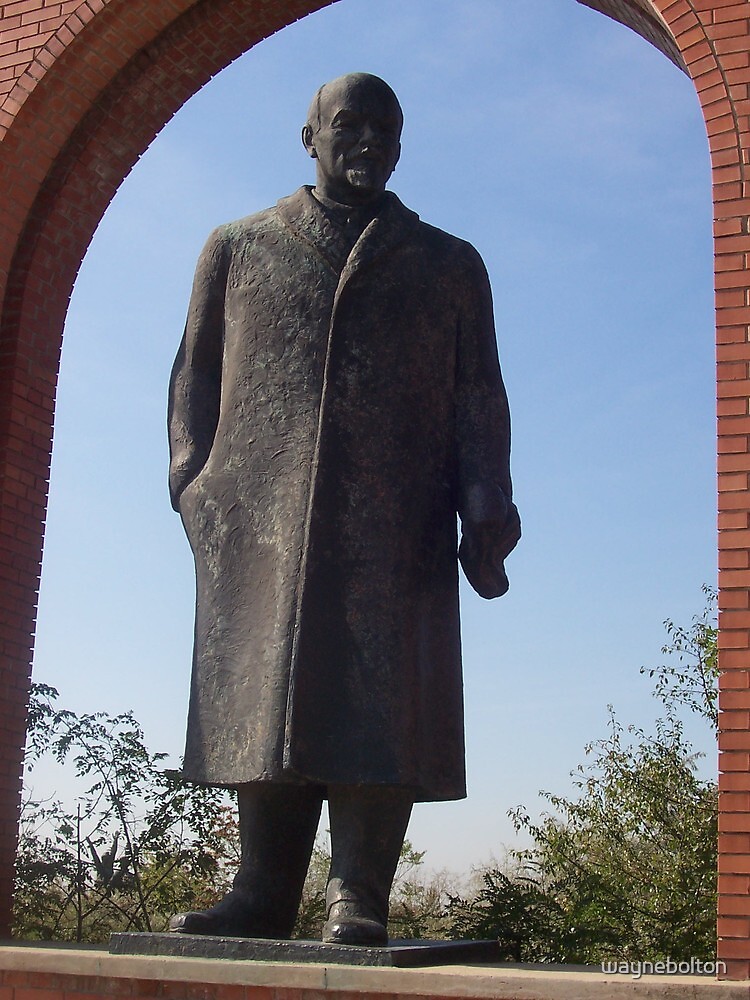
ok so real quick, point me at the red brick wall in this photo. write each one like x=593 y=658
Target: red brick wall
x=714 y=40
x=85 y=85
x=62 y=986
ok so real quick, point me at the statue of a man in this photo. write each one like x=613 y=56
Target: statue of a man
x=335 y=401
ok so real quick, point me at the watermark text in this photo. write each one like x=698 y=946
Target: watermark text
x=667 y=967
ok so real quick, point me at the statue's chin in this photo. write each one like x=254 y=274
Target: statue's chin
x=365 y=180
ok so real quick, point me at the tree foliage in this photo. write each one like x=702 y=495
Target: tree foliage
x=137 y=845
x=419 y=898
x=627 y=869
x=690 y=678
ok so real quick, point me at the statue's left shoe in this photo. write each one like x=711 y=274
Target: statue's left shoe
x=348 y=923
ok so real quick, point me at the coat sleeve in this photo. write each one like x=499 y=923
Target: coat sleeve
x=489 y=520
x=195 y=385
x=482 y=415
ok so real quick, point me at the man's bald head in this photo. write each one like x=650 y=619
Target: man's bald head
x=344 y=85
x=353 y=131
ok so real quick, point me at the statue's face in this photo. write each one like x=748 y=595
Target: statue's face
x=357 y=143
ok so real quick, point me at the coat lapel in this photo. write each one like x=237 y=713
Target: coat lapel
x=392 y=225
x=303 y=215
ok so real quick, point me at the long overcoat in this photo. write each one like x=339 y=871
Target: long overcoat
x=330 y=411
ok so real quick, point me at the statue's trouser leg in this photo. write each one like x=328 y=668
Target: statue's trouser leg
x=368 y=825
x=278 y=823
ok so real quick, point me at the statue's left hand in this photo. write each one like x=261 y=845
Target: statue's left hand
x=484 y=547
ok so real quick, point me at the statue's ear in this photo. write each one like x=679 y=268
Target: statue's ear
x=307 y=141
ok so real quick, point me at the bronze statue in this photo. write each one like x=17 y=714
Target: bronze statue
x=335 y=401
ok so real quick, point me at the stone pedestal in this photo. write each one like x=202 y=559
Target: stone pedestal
x=397 y=954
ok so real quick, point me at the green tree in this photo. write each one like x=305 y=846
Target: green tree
x=138 y=845
x=513 y=907
x=418 y=898
x=628 y=868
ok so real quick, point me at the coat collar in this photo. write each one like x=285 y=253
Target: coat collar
x=304 y=216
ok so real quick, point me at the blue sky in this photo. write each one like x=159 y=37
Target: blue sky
x=574 y=157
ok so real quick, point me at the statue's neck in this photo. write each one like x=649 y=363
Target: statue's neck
x=355 y=217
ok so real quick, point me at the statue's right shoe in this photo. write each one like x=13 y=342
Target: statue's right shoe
x=233 y=916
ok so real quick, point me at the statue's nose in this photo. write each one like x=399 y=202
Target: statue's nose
x=368 y=136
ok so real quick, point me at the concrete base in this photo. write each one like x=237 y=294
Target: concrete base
x=73 y=973
x=397 y=954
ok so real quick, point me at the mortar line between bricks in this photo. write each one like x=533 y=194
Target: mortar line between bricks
x=725 y=79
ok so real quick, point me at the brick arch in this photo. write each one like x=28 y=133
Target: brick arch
x=51 y=39
x=644 y=18
x=85 y=85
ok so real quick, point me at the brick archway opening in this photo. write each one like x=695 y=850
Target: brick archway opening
x=85 y=100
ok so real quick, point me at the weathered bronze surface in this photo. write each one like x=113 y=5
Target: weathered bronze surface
x=398 y=954
x=335 y=401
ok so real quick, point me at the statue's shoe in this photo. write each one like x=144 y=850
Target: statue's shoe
x=346 y=926
x=233 y=916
